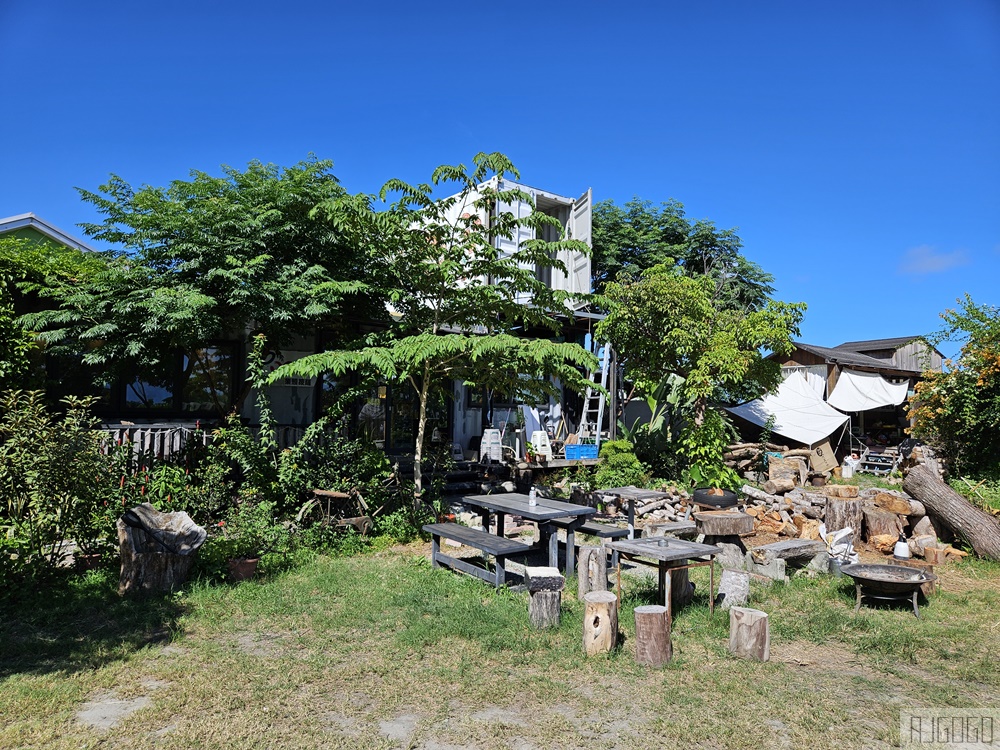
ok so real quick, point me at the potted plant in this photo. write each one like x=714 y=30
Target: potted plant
x=246 y=534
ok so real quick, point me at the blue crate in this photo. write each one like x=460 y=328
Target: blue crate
x=577 y=451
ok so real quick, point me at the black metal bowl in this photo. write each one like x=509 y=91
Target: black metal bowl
x=704 y=496
x=887 y=580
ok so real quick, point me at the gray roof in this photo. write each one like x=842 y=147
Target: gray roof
x=29 y=220
x=873 y=344
x=845 y=356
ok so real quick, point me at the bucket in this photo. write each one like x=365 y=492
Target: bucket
x=835 y=568
x=846 y=471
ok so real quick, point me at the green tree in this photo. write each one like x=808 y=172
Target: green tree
x=669 y=323
x=632 y=238
x=958 y=411
x=456 y=300
x=29 y=270
x=208 y=258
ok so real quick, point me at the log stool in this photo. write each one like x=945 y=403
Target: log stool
x=723 y=528
x=545 y=587
x=749 y=634
x=600 y=622
x=652 y=635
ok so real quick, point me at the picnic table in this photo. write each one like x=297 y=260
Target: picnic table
x=544 y=513
x=667 y=555
x=631 y=494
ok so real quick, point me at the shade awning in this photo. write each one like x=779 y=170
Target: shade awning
x=799 y=413
x=860 y=391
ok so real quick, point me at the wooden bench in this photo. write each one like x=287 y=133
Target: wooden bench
x=598 y=529
x=490 y=544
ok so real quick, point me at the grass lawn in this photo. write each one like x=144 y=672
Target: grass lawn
x=380 y=651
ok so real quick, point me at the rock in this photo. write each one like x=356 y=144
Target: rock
x=734 y=589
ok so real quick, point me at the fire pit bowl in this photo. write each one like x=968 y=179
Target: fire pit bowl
x=887 y=582
x=708 y=497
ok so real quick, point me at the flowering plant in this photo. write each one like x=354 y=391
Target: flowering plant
x=250 y=530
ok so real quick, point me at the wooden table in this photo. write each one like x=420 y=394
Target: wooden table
x=542 y=513
x=631 y=494
x=673 y=556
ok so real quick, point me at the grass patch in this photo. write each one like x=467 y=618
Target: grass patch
x=381 y=651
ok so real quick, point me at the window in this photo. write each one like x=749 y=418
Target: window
x=197 y=383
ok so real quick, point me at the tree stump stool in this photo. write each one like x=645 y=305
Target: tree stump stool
x=724 y=528
x=157 y=550
x=652 y=635
x=592 y=571
x=749 y=633
x=600 y=622
x=545 y=587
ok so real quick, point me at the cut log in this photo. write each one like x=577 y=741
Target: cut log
x=884 y=543
x=879 y=522
x=935 y=555
x=749 y=634
x=779 y=486
x=543 y=609
x=600 y=622
x=808 y=527
x=902 y=506
x=656 y=505
x=592 y=571
x=157 y=550
x=723 y=523
x=794 y=468
x=841 y=490
x=794 y=550
x=756 y=494
x=843 y=513
x=968 y=522
x=767 y=525
x=652 y=635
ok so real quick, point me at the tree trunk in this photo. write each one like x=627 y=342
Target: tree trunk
x=600 y=622
x=843 y=512
x=980 y=529
x=749 y=633
x=880 y=522
x=418 y=451
x=652 y=635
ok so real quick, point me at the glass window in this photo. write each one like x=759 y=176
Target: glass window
x=207 y=380
x=140 y=394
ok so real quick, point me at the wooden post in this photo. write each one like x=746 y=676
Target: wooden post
x=652 y=635
x=545 y=587
x=592 y=572
x=600 y=622
x=749 y=633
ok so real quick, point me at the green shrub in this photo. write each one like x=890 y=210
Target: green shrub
x=619 y=466
x=51 y=472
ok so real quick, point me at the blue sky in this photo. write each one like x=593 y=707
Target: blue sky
x=855 y=145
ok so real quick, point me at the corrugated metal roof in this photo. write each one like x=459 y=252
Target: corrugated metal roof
x=872 y=344
x=844 y=356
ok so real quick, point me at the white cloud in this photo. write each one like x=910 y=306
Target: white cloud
x=926 y=259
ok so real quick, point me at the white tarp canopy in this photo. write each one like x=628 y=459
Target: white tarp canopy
x=799 y=413
x=860 y=391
